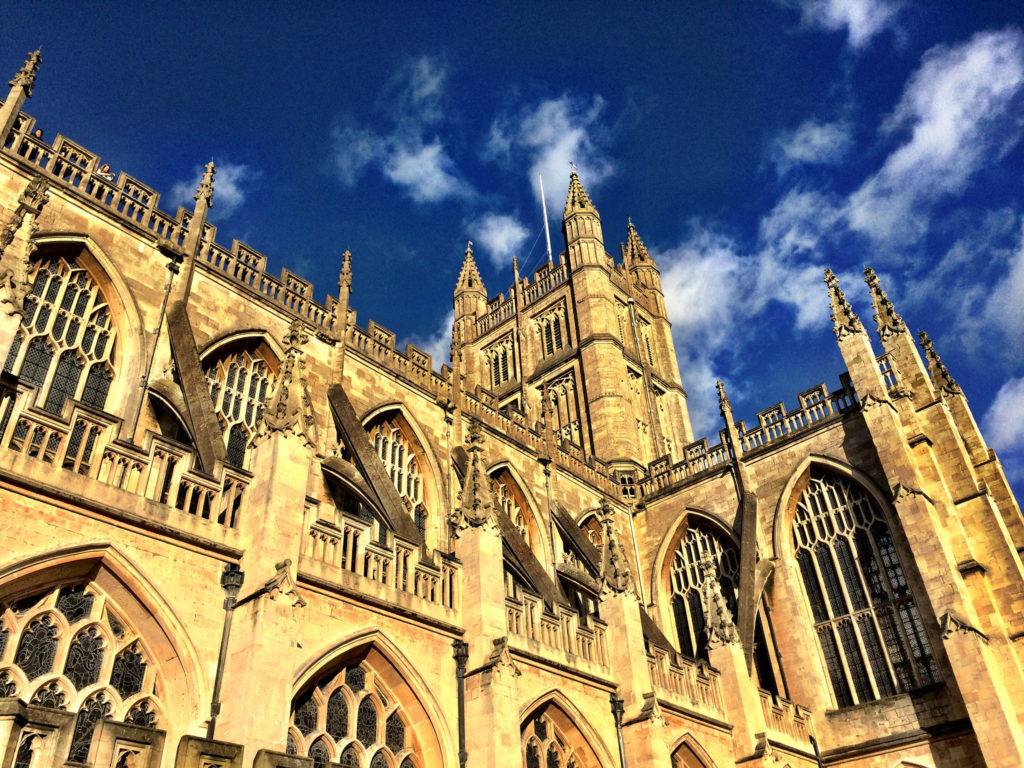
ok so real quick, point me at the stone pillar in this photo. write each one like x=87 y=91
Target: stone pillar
x=742 y=704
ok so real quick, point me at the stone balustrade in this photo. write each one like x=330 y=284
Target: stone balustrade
x=686 y=684
x=788 y=723
x=564 y=632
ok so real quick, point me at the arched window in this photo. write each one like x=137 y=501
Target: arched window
x=512 y=502
x=240 y=382
x=564 y=409
x=687 y=577
x=82 y=653
x=870 y=632
x=501 y=358
x=396 y=451
x=65 y=333
x=550 y=739
x=340 y=714
x=551 y=328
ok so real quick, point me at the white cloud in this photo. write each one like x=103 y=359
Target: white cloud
x=547 y=136
x=812 y=143
x=501 y=236
x=961 y=109
x=231 y=184
x=426 y=172
x=354 y=150
x=1003 y=308
x=1003 y=422
x=862 y=20
x=439 y=343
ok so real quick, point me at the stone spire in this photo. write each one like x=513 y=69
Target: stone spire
x=844 y=321
x=577 y=200
x=469 y=277
x=26 y=76
x=888 y=320
x=345 y=277
x=636 y=251
x=205 y=191
x=941 y=379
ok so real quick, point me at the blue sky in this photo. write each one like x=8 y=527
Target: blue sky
x=753 y=143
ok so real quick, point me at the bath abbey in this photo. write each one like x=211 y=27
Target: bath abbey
x=244 y=529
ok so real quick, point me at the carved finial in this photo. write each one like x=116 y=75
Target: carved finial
x=577 y=199
x=572 y=166
x=617 y=575
x=635 y=248
x=14 y=283
x=719 y=624
x=290 y=409
x=345 y=278
x=941 y=379
x=888 y=320
x=469 y=277
x=26 y=76
x=844 y=321
x=724 y=407
x=205 y=190
x=476 y=500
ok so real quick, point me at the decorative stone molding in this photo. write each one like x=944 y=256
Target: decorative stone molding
x=500 y=661
x=844 y=321
x=476 y=499
x=886 y=317
x=719 y=624
x=941 y=378
x=950 y=623
x=26 y=76
x=283 y=584
x=290 y=410
x=615 y=575
x=15 y=270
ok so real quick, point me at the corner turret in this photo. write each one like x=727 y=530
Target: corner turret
x=642 y=268
x=581 y=226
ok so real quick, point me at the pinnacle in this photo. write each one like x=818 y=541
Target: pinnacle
x=888 y=320
x=844 y=320
x=635 y=248
x=577 y=200
x=26 y=76
x=469 y=277
x=940 y=375
x=205 y=189
x=345 y=278
x=723 y=400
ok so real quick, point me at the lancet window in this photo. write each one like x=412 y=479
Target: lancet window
x=552 y=328
x=347 y=719
x=564 y=409
x=501 y=359
x=551 y=740
x=510 y=499
x=65 y=641
x=403 y=464
x=65 y=345
x=240 y=384
x=868 y=627
x=687 y=578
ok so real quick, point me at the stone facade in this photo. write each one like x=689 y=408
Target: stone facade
x=242 y=529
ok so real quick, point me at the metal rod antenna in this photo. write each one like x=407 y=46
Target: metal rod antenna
x=547 y=231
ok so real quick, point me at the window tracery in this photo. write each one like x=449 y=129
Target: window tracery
x=501 y=359
x=687 y=578
x=546 y=744
x=552 y=329
x=349 y=713
x=89 y=716
x=398 y=454
x=240 y=383
x=870 y=632
x=565 y=409
x=511 y=501
x=85 y=657
x=67 y=327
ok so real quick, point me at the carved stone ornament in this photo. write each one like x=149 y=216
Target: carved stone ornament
x=941 y=378
x=651 y=711
x=290 y=409
x=500 y=661
x=26 y=76
x=205 y=190
x=14 y=268
x=886 y=317
x=844 y=321
x=476 y=499
x=718 y=618
x=616 y=576
x=283 y=585
x=902 y=493
x=950 y=624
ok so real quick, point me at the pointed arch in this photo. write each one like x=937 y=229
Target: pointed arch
x=132 y=592
x=244 y=337
x=428 y=727
x=434 y=494
x=573 y=726
x=688 y=752
x=124 y=312
x=538 y=538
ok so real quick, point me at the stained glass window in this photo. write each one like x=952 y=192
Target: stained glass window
x=366 y=723
x=75 y=603
x=291 y=747
x=554 y=761
x=142 y=714
x=37 y=648
x=394 y=733
x=349 y=758
x=305 y=715
x=319 y=754
x=51 y=696
x=5 y=635
x=856 y=588
x=337 y=715
x=407 y=763
x=85 y=657
x=379 y=761
x=240 y=383
x=94 y=710
x=8 y=687
x=115 y=626
x=687 y=579
x=532 y=756
x=24 y=757
x=355 y=678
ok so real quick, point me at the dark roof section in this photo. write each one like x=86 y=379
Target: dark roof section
x=585 y=549
x=527 y=562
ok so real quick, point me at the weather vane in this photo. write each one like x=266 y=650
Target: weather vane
x=572 y=165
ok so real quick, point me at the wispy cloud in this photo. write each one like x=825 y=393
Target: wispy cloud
x=439 y=343
x=812 y=143
x=500 y=236
x=861 y=20
x=960 y=110
x=231 y=185
x=547 y=136
x=1003 y=423
x=407 y=152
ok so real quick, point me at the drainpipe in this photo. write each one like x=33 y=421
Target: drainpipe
x=461 y=653
x=617 y=710
x=817 y=754
x=231 y=580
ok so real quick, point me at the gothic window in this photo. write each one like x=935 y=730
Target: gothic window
x=240 y=383
x=75 y=603
x=594 y=531
x=421 y=520
x=85 y=657
x=398 y=454
x=379 y=761
x=8 y=687
x=305 y=716
x=142 y=714
x=546 y=745
x=869 y=629
x=355 y=678
x=291 y=748
x=564 y=409
x=25 y=750
x=552 y=331
x=501 y=358
x=51 y=696
x=394 y=733
x=366 y=723
x=37 y=648
x=511 y=500
x=68 y=329
x=349 y=758
x=89 y=716
x=687 y=579
x=337 y=716
x=407 y=763
x=5 y=635
x=319 y=754
x=532 y=756
x=128 y=672
x=553 y=758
